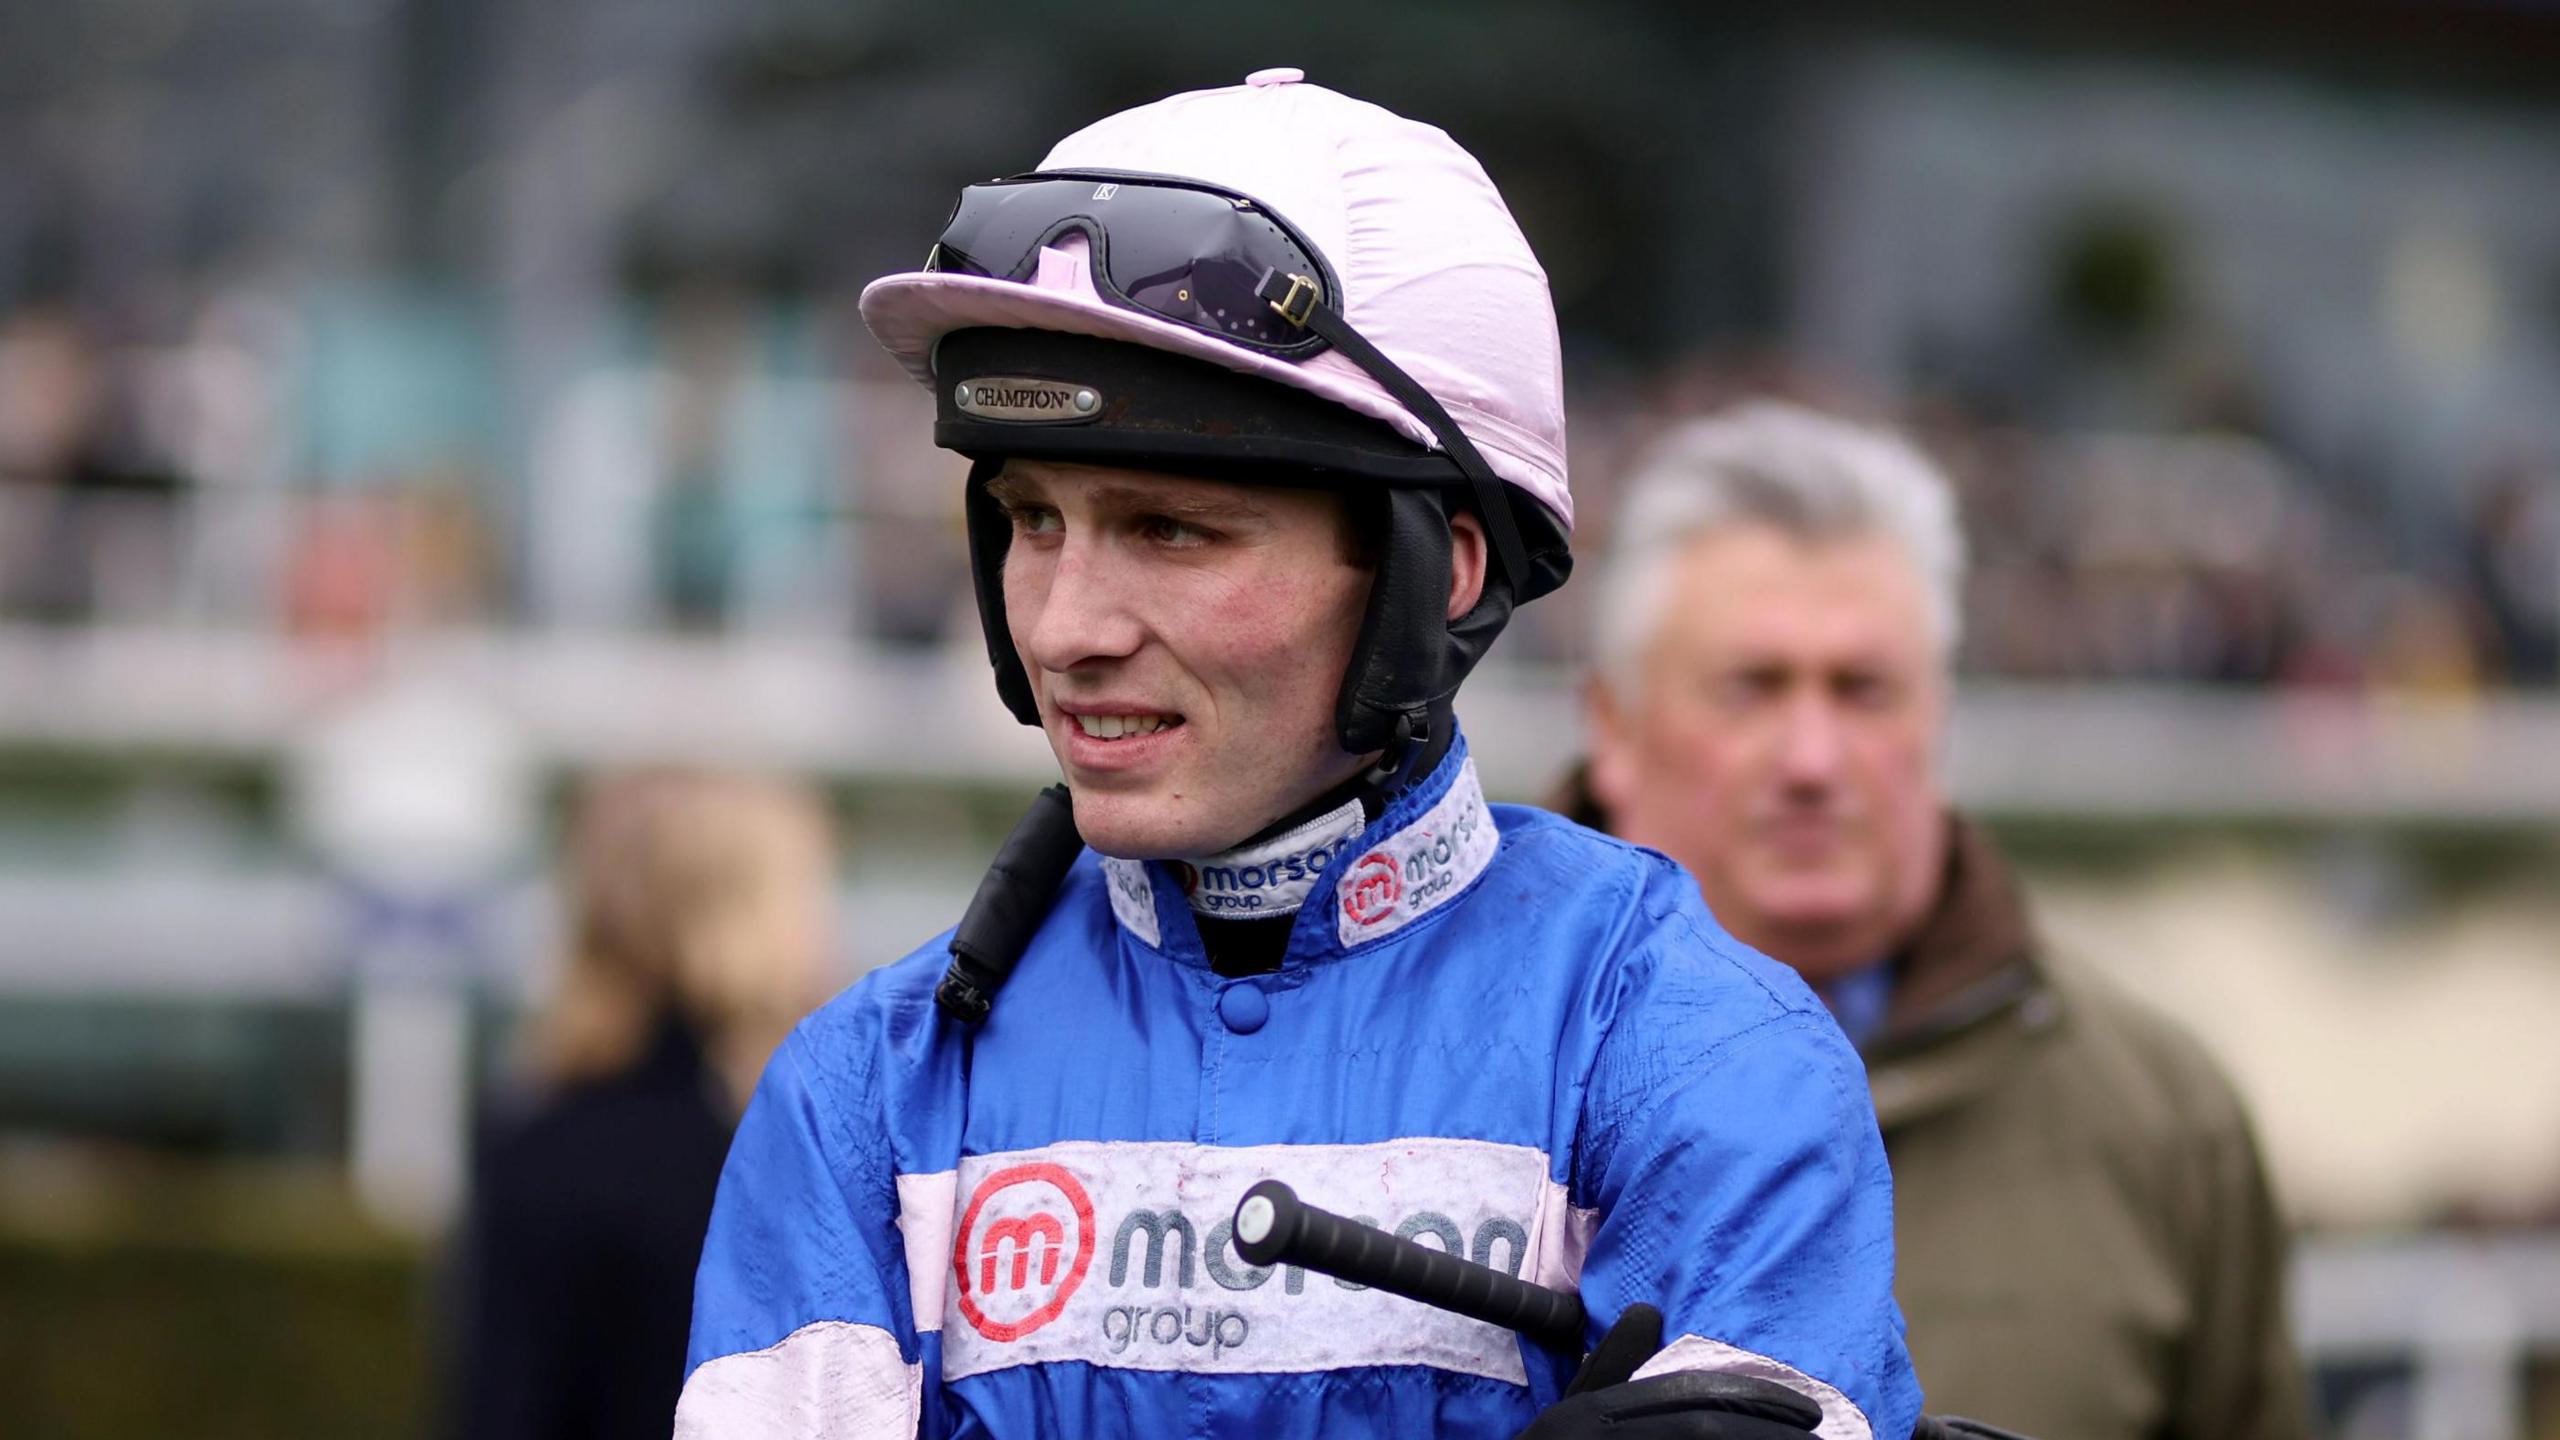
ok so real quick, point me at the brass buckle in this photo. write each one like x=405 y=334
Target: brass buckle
x=1299 y=305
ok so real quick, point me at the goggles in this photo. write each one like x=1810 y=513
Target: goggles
x=1210 y=259
x=1176 y=249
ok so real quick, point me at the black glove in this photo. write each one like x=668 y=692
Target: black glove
x=1605 y=1403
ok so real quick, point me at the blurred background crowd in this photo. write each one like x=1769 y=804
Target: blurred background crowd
x=412 y=408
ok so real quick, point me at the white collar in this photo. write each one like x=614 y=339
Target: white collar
x=1426 y=861
x=1269 y=877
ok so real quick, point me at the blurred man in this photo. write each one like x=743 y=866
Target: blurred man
x=1234 y=559
x=2087 y=1246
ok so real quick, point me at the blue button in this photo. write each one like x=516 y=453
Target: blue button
x=1244 y=1007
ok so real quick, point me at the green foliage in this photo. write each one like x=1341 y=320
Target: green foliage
x=213 y=1303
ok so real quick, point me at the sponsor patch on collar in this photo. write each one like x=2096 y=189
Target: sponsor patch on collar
x=1273 y=877
x=1023 y=400
x=1133 y=899
x=1419 y=868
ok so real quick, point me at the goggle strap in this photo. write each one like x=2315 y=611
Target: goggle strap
x=1296 y=299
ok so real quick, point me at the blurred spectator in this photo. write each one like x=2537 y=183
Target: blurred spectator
x=85 y=521
x=2512 y=553
x=696 y=922
x=216 y=473
x=2085 y=1242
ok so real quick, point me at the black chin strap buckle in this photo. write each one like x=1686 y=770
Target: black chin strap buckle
x=1400 y=747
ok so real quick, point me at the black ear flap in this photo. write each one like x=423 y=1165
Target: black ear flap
x=1471 y=634
x=1410 y=657
x=1396 y=666
x=990 y=533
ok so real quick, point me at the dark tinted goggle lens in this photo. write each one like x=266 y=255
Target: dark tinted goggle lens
x=1195 y=257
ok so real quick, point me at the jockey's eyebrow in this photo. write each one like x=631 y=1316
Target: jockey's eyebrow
x=1177 y=504
x=1223 y=504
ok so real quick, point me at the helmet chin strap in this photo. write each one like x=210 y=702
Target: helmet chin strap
x=1257 y=944
x=1391 y=759
x=1409 y=755
x=1412 y=751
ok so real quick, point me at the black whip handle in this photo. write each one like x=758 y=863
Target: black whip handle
x=1274 y=1227
x=1009 y=906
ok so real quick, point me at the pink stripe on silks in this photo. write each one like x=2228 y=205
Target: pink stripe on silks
x=1559 y=1240
x=925 y=1217
x=825 y=1379
x=1841 y=1418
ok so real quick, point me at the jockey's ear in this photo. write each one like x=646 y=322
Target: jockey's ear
x=1466 y=563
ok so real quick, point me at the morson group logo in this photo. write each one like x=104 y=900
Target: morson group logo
x=1024 y=1245
x=1422 y=866
x=1122 y=1253
x=1274 y=876
x=1273 y=882
x=1370 y=891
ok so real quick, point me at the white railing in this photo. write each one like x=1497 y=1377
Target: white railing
x=2465 y=1315
x=846 y=712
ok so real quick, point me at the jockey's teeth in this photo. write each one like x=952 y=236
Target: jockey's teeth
x=1114 y=727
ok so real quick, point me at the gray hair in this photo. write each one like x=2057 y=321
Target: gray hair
x=1809 y=475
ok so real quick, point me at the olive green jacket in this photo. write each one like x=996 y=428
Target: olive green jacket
x=2086 y=1245
x=2084 y=1242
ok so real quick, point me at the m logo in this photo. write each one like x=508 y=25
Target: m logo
x=1105 y=192
x=1421 y=867
x=1024 y=1245
x=1029 y=1235
x=1370 y=891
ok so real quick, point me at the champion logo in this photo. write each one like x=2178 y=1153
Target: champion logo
x=1025 y=399
x=1020 y=397
x=1023 y=1247
x=1371 y=889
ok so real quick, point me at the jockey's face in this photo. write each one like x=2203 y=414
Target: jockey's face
x=1186 y=640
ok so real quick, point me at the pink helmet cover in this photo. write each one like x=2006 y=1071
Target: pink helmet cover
x=1434 y=271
